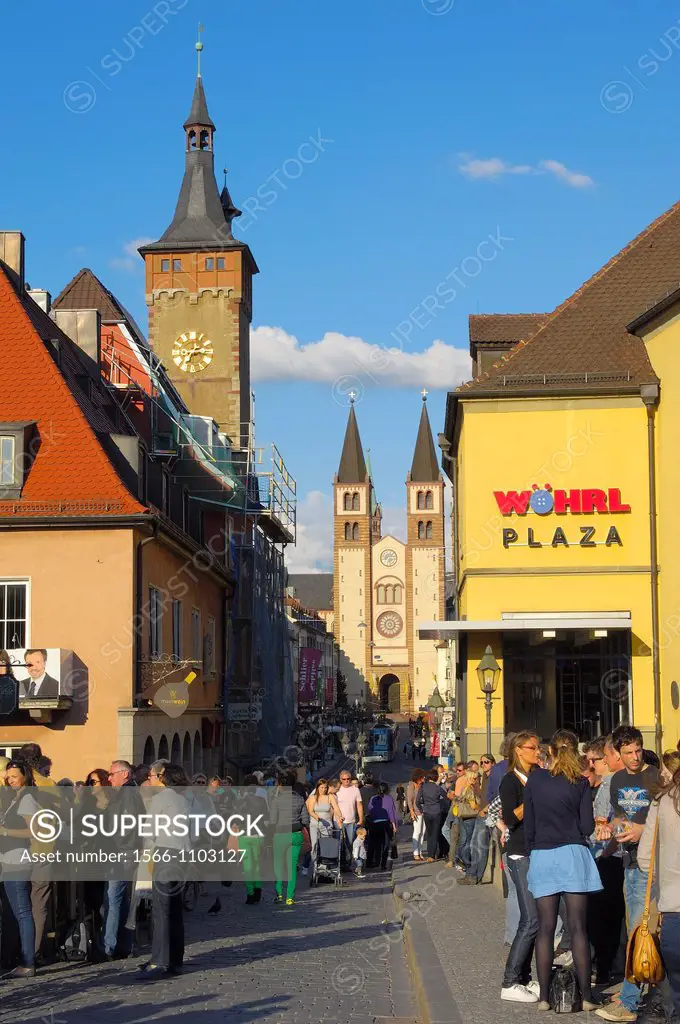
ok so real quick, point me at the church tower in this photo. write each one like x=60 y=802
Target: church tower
x=199 y=288
x=425 y=556
x=354 y=516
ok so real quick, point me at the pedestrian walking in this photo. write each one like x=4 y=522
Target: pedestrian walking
x=324 y=812
x=289 y=817
x=430 y=801
x=416 y=815
x=15 y=839
x=558 y=821
x=351 y=808
x=381 y=818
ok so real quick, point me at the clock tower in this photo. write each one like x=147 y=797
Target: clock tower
x=199 y=288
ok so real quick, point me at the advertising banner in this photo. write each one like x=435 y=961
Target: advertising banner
x=308 y=674
x=44 y=673
x=329 y=690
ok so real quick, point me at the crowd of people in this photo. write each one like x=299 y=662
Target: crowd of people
x=575 y=826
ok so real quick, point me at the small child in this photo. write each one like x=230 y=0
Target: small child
x=359 y=852
x=401 y=799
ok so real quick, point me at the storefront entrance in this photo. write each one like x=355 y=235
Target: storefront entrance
x=573 y=682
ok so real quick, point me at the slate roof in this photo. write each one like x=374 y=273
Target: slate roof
x=425 y=467
x=86 y=291
x=352 y=469
x=313 y=590
x=73 y=472
x=584 y=345
x=198 y=115
x=489 y=328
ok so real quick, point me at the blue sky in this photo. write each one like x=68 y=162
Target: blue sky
x=574 y=102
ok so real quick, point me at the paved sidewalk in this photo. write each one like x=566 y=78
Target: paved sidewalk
x=327 y=960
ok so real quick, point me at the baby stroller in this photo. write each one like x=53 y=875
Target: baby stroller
x=327 y=855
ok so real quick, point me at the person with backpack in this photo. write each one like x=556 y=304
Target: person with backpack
x=558 y=821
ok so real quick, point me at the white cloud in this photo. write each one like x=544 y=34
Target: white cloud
x=313 y=551
x=354 y=363
x=131 y=261
x=494 y=167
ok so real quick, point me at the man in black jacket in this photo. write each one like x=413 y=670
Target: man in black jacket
x=431 y=800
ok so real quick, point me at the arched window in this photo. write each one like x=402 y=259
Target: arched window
x=389 y=594
x=429 y=503
x=192 y=139
x=420 y=500
x=205 y=140
x=421 y=531
x=355 y=502
x=176 y=751
x=347 y=502
x=149 y=751
x=198 y=752
x=428 y=531
x=381 y=594
x=163 y=749
x=397 y=594
x=355 y=532
x=348 y=531
x=186 y=754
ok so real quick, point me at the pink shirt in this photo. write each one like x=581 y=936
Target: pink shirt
x=349 y=799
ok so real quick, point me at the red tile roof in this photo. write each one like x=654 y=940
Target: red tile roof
x=489 y=328
x=584 y=344
x=72 y=474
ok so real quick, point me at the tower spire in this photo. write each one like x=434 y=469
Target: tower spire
x=199 y=49
x=425 y=468
x=352 y=468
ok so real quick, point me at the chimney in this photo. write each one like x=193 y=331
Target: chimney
x=12 y=252
x=83 y=326
x=42 y=298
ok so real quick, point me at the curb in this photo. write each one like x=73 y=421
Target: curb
x=434 y=999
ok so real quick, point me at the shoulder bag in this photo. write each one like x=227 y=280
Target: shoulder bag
x=643 y=956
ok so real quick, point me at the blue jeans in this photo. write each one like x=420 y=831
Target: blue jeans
x=634 y=888
x=479 y=850
x=467 y=826
x=670 y=951
x=350 y=830
x=511 y=905
x=19 y=899
x=116 y=909
x=518 y=966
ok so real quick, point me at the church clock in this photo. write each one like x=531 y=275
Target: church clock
x=192 y=352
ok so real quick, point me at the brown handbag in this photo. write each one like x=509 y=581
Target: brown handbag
x=644 y=965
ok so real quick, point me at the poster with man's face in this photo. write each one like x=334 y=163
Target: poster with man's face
x=38 y=672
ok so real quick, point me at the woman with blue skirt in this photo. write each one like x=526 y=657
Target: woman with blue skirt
x=558 y=818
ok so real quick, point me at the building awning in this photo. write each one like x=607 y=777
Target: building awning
x=513 y=621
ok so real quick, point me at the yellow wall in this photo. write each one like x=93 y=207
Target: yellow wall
x=570 y=444
x=662 y=339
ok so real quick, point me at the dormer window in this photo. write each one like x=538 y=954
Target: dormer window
x=17 y=452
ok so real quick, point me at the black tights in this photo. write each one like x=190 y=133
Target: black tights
x=548 y=907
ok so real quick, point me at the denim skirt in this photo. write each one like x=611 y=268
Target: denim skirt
x=564 y=869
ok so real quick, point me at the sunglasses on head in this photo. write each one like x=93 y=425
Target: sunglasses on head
x=20 y=765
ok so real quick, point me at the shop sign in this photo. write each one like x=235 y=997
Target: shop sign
x=544 y=501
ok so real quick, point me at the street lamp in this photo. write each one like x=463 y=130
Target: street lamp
x=488 y=673
x=435 y=706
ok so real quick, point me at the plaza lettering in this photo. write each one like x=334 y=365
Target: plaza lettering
x=588 y=539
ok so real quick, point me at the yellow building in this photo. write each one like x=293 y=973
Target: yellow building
x=562 y=455
x=383 y=586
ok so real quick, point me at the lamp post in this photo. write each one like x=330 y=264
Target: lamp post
x=488 y=673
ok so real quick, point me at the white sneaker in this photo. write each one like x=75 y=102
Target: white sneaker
x=518 y=994
x=534 y=987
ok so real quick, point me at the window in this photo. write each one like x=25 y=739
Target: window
x=210 y=263
x=155 y=623
x=196 y=653
x=220 y=262
x=348 y=531
x=428 y=531
x=177 y=630
x=355 y=532
x=165 y=266
x=7 y=457
x=355 y=502
x=176 y=264
x=397 y=594
x=348 y=503
x=389 y=594
x=13 y=614
x=428 y=500
x=421 y=531
x=420 y=501
x=209 y=648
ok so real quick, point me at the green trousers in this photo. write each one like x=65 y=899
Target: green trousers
x=287 y=848
x=251 y=847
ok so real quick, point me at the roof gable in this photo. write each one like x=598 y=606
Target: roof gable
x=86 y=291
x=584 y=343
x=71 y=474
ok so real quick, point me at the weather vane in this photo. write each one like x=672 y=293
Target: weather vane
x=199 y=47
x=424 y=393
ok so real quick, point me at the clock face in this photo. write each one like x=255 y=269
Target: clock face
x=192 y=352
x=389 y=624
x=388 y=557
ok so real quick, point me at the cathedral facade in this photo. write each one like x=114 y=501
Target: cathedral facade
x=382 y=587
